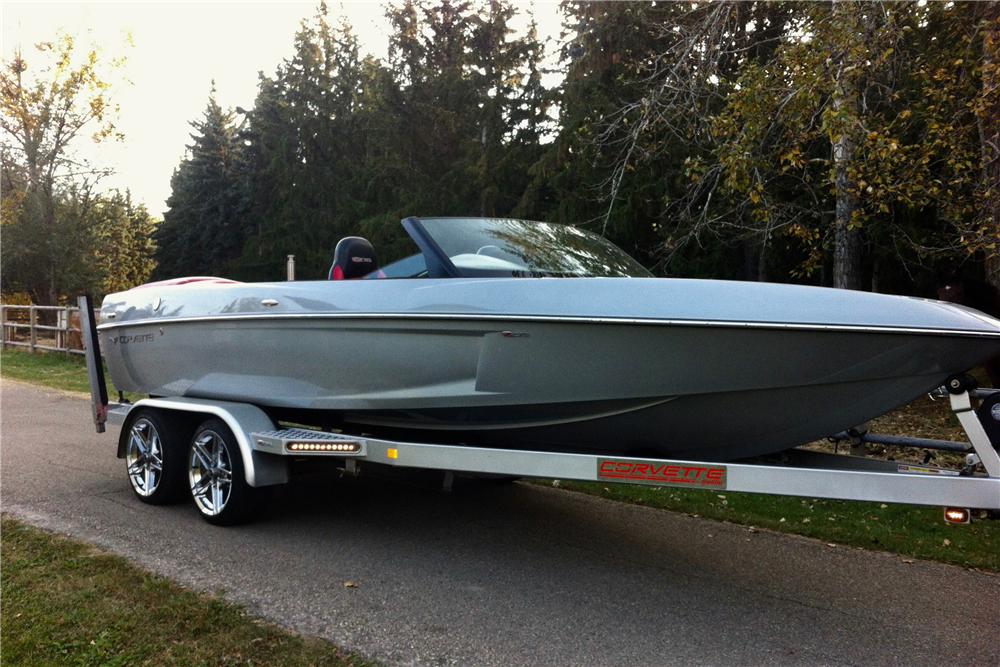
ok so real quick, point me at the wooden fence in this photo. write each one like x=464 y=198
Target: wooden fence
x=45 y=328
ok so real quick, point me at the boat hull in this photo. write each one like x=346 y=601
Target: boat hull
x=683 y=389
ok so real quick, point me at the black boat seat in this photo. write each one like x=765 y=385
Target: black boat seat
x=353 y=258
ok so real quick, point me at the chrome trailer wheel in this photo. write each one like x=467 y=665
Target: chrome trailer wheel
x=217 y=477
x=210 y=473
x=154 y=459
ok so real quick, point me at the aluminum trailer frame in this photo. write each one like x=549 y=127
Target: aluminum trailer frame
x=266 y=449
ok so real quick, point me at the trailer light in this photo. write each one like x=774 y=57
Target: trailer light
x=323 y=447
x=957 y=515
x=391 y=453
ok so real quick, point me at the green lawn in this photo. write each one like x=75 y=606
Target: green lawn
x=908 y=530
x=51 y=370
x=65 y=603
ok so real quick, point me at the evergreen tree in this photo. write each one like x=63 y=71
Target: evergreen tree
x=469 y=104
x=206 y=222
x=124 y=232
x=53 y=260
x=507 y=84
x=305 y=150
x=711 y=139
x=341 y=145
x=609 y=45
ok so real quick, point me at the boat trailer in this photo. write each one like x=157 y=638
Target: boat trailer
x=265 y=449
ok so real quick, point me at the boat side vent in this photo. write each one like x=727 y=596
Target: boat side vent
x=296 y=441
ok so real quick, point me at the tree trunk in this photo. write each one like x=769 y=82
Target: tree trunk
x=53 y=292
x=847 y=253
x=989 y=137
x=754 y=259
x=751 y=260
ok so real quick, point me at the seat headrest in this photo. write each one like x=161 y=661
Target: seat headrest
x=353 y=258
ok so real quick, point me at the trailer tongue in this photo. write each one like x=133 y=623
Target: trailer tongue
x=226 y=455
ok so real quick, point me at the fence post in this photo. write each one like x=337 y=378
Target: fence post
x=66 y=328
x=59 y=323
x=33 y=321
x=3 y=327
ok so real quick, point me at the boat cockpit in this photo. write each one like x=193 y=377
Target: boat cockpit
x=490 y=247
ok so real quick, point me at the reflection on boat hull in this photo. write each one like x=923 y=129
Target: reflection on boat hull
x=710 y=427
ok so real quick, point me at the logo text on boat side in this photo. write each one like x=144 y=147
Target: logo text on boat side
x=125 y=340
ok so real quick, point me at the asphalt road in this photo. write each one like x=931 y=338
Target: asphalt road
x=503 y=575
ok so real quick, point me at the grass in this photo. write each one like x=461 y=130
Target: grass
x=64 y=603
x=907 y=530
x=910 y=531
x=51 y=369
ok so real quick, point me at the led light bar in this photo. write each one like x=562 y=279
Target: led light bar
x=294 y=441
x=323 y=447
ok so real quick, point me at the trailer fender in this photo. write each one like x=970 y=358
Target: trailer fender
x=262 y=469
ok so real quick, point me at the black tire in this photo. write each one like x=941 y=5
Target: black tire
x=154 y=457
x=216 y=477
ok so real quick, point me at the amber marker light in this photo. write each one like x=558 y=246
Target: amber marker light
x=957 y=515
x=391 y=453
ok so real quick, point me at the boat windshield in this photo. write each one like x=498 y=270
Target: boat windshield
x=519 y=248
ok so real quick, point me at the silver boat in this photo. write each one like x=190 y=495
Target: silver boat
x=523 y=335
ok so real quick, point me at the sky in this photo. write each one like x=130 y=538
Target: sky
x=178 y=49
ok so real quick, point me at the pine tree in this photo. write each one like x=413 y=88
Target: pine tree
x=342 y=145
x=124 y=236
x=306 y=150
x=206 y=224
x=469 y=105
x=603 y=59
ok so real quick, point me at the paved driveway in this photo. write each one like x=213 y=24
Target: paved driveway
x=504 y=575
